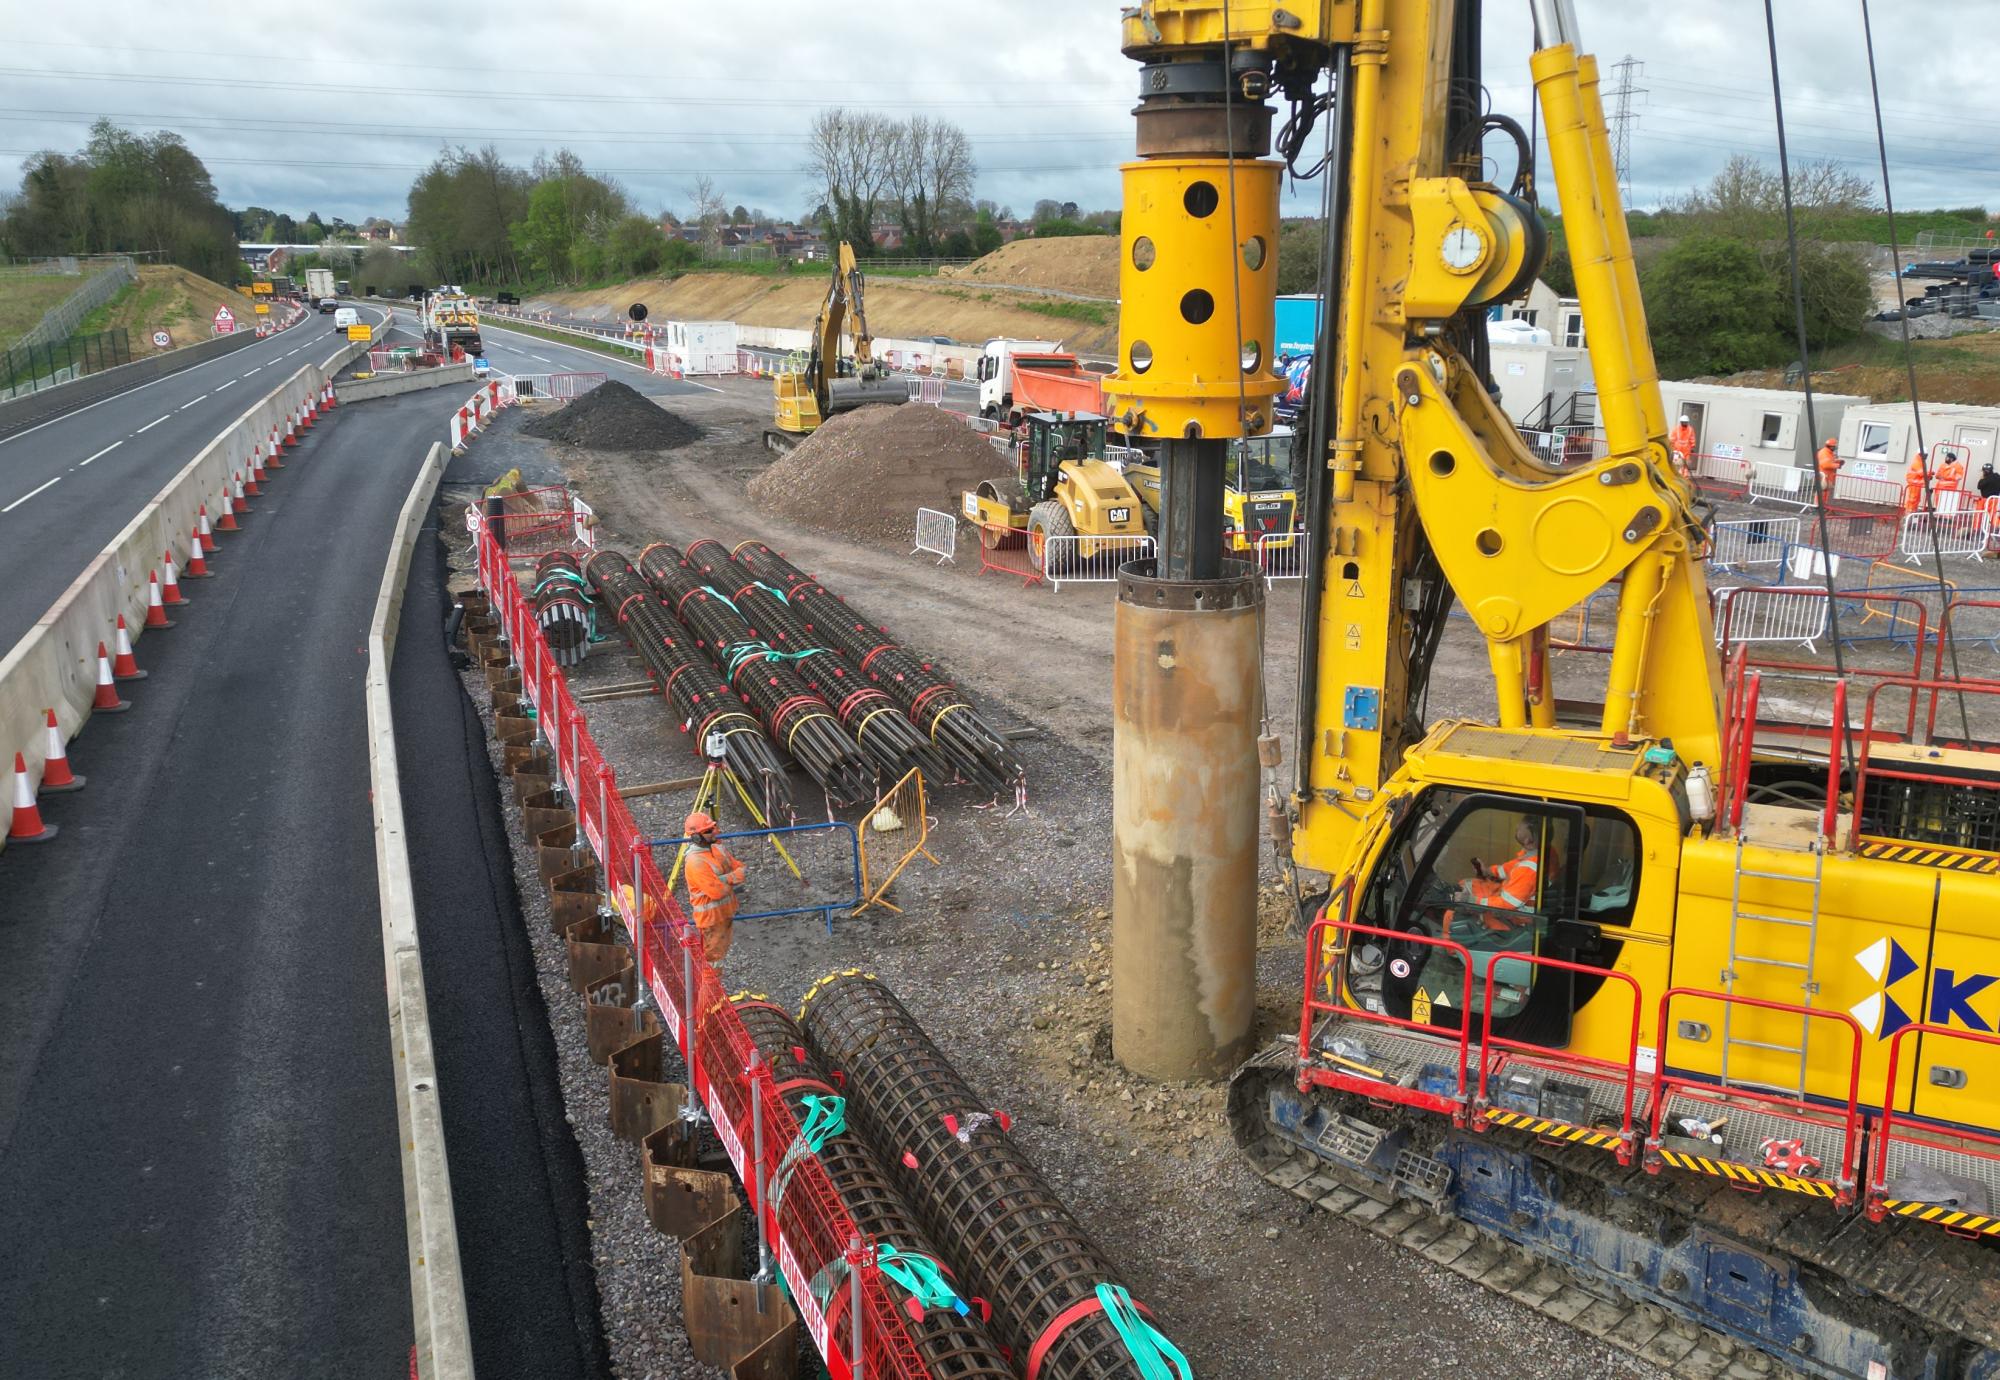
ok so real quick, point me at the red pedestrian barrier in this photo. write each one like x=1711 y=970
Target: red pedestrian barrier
x=27 y=826
x=56 y=775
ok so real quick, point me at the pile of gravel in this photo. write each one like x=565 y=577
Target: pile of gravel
x=865 y=473
x=613 y=416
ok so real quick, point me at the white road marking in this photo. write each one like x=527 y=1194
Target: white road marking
x=231 y=384
x=543 y=358
x=106 y=451
x=28 y=495
x=150 y=425
x=191 y=402
x=248 y=372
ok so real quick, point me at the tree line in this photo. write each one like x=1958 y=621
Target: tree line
x=122 y=193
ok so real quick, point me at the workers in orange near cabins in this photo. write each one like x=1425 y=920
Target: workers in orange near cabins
x=1828 y=464
x=1915 y=475
x=1946 y=493
x=1681 y=442
x=713 y=878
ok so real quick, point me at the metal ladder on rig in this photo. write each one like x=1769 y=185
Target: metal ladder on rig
x=1743 y=926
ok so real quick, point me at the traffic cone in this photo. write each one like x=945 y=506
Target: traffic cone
x=308 y=409
x=291 y=430
x=197 y=566
x=250 y=486
x=170 y=588
x=332 y=398
x=272 y=461
x=206 y=531
x=126 y=666
x=106 y=701
x=27 y=826
x=227 y=522
x=237 y=502
x=156 y=604
x=56 y=775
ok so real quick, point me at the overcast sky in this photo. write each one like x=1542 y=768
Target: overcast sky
x=657 y=94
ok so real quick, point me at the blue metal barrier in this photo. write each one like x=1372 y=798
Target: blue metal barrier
x=823 y=909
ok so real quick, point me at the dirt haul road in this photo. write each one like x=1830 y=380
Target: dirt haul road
x=1003 y=951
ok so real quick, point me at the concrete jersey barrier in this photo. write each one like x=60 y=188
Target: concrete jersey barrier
x=55 y=665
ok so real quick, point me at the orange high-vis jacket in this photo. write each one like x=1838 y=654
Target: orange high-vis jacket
x=1681 y=441
x=1829 y=467
x=712 y=878
x=1951 y=475
x=1520 y=876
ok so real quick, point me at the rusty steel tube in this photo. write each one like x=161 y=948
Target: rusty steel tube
x=954 y=1345
x=974 y=1190
x=1186 y=705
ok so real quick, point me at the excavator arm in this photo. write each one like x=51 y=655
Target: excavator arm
x=809 y=397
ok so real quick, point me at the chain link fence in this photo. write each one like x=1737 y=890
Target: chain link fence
x=30 y=368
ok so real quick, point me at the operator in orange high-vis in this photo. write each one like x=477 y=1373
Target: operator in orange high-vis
x=1945 y=494
x=1827 y=462
x=714 y=879
x=1511 y=885
x=1916 y=475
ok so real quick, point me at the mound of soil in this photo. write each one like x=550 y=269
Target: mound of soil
x=865 y=473
x=1083 y=264
x=613 y=416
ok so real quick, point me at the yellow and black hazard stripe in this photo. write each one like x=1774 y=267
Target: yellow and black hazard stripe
x=1554 y=1130
x=1750 y=1174
x=1923 y=855
x=1945 y=1217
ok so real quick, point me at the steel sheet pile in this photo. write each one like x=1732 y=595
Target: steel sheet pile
x=704 y=703
x=874 y=720
x=1056 y=1301
x=562 y=607
x=796 y=717
x=933 y=705
x=946 y=1328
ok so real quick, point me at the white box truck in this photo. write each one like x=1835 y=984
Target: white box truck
x=319 y=283
x=702 y=347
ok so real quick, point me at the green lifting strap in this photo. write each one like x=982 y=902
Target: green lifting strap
x=1158 y=1358
x=826 y=1117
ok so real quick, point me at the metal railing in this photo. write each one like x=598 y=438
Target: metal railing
x=1089 y=560
x=937 y=533
x=1281 y=556
x=1752 y=541
x=31 y=368
x=1963 y=533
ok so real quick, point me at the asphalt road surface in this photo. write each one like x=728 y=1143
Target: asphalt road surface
x=199 y=1165
x=517 y=352
x=69 y=486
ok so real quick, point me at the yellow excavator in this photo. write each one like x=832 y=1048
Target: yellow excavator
x=805 y=398
x=1637 y=1006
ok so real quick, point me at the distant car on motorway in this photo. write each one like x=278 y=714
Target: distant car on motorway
x=327 y=306
x=940 y=340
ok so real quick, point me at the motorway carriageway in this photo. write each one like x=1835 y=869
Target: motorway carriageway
x=68 y=486
x=516 y=352
x=199 y=1162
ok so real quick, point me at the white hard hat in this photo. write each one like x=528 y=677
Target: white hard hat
x=1684 y=416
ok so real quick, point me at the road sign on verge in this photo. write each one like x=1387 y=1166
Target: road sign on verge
x=162 y=340
x=225 y=321
x=361 y=332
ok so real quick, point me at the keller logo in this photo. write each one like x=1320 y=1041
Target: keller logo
x=1879 y=1013
x=1951 y=996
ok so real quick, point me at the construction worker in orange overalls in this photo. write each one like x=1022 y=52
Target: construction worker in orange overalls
x=1508 y=886
x=714 y=877
x=1681 y=442
x=1916 y=475
x=1947 y=493
x=1828 y=464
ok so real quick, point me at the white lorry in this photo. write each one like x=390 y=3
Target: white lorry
x=996 y=369
x=319 y=283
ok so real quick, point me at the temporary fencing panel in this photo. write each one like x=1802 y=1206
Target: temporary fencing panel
x=1281 y=556
x=1784 y=614
x=927 y=390
x=1868 y=491
x=1722 y=474
x=857 y=1328
x=1753 y=541
x=1965 y=533
x=1091 y=560
x=1004 y=551
x=901 y=819
x=1775 y=482
x=937 y=533
x=555 y=387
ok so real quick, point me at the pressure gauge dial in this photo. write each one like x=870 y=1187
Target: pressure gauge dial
x=1463 y=247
